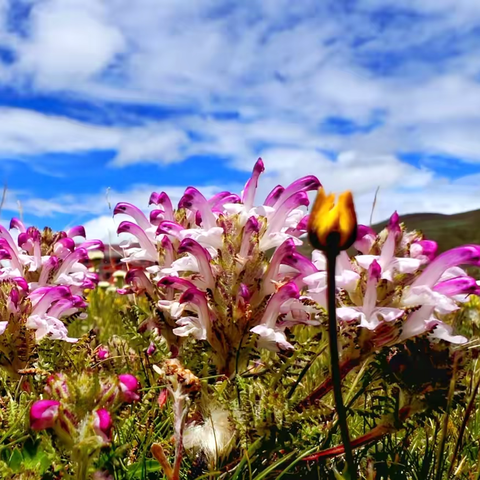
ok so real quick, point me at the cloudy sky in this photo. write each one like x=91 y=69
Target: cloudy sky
x=108 y=100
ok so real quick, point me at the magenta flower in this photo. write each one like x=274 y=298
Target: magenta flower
x=102 y=424
x=128 y=388
x=43 y=414
x=103 y=353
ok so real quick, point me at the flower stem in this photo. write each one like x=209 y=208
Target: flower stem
x=331 y=253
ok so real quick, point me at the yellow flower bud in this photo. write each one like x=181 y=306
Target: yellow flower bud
x=332 y=225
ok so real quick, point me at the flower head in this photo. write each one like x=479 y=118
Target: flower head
x=330 y=222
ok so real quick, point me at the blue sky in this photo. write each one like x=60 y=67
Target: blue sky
x=108 y=100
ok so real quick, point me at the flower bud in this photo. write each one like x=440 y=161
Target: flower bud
x=332 y=225
x=57 y=386
x=43 y=414
x=102 y=353
x=128 y=387
x=102 y=424
x=162 y=398
x=151 y=349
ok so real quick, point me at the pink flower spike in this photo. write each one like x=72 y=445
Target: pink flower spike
x=77 y=231
x=18 y=224
x=125 y=208
x=43 y=414
x=103 y=353
x=102 y=424
x=248 y=194
x=129 y=387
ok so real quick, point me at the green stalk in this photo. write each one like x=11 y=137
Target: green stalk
x=331 y=253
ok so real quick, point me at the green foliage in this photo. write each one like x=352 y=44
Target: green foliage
x=405 y=390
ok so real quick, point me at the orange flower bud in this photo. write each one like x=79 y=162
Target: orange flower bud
x=332 y=225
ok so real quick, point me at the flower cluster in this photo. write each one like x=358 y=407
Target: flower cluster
x=222 y=269
x=43 y=278
x=79 y=411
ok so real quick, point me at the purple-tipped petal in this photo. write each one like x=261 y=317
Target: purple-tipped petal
x=77 y=231
x=365 y=239
x=273 y=196
x=465 y=255
x=248 y=194
x=141 y=283
x=193 y=200
x=163 y=200
x=284 y=293
x=277 y=221
x=92 y=245
x=463 y=285
x=178 y=283
x=189 y=245
x=299 y=262
x=168 y=251
x=217 y=198
x=304 y=184
x=143 y=240
x=17 y=224
x=5 y=255
x=22 y=283
x=125 y=208
x=168 y=227
x=394 y=224
x=156 y=216
x=67 y=243
x=428 y=248
x=375 y=271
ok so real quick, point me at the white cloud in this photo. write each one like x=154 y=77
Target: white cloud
x=70 y=41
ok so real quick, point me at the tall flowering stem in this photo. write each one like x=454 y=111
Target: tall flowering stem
x=332 y=228
x=332 y=253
